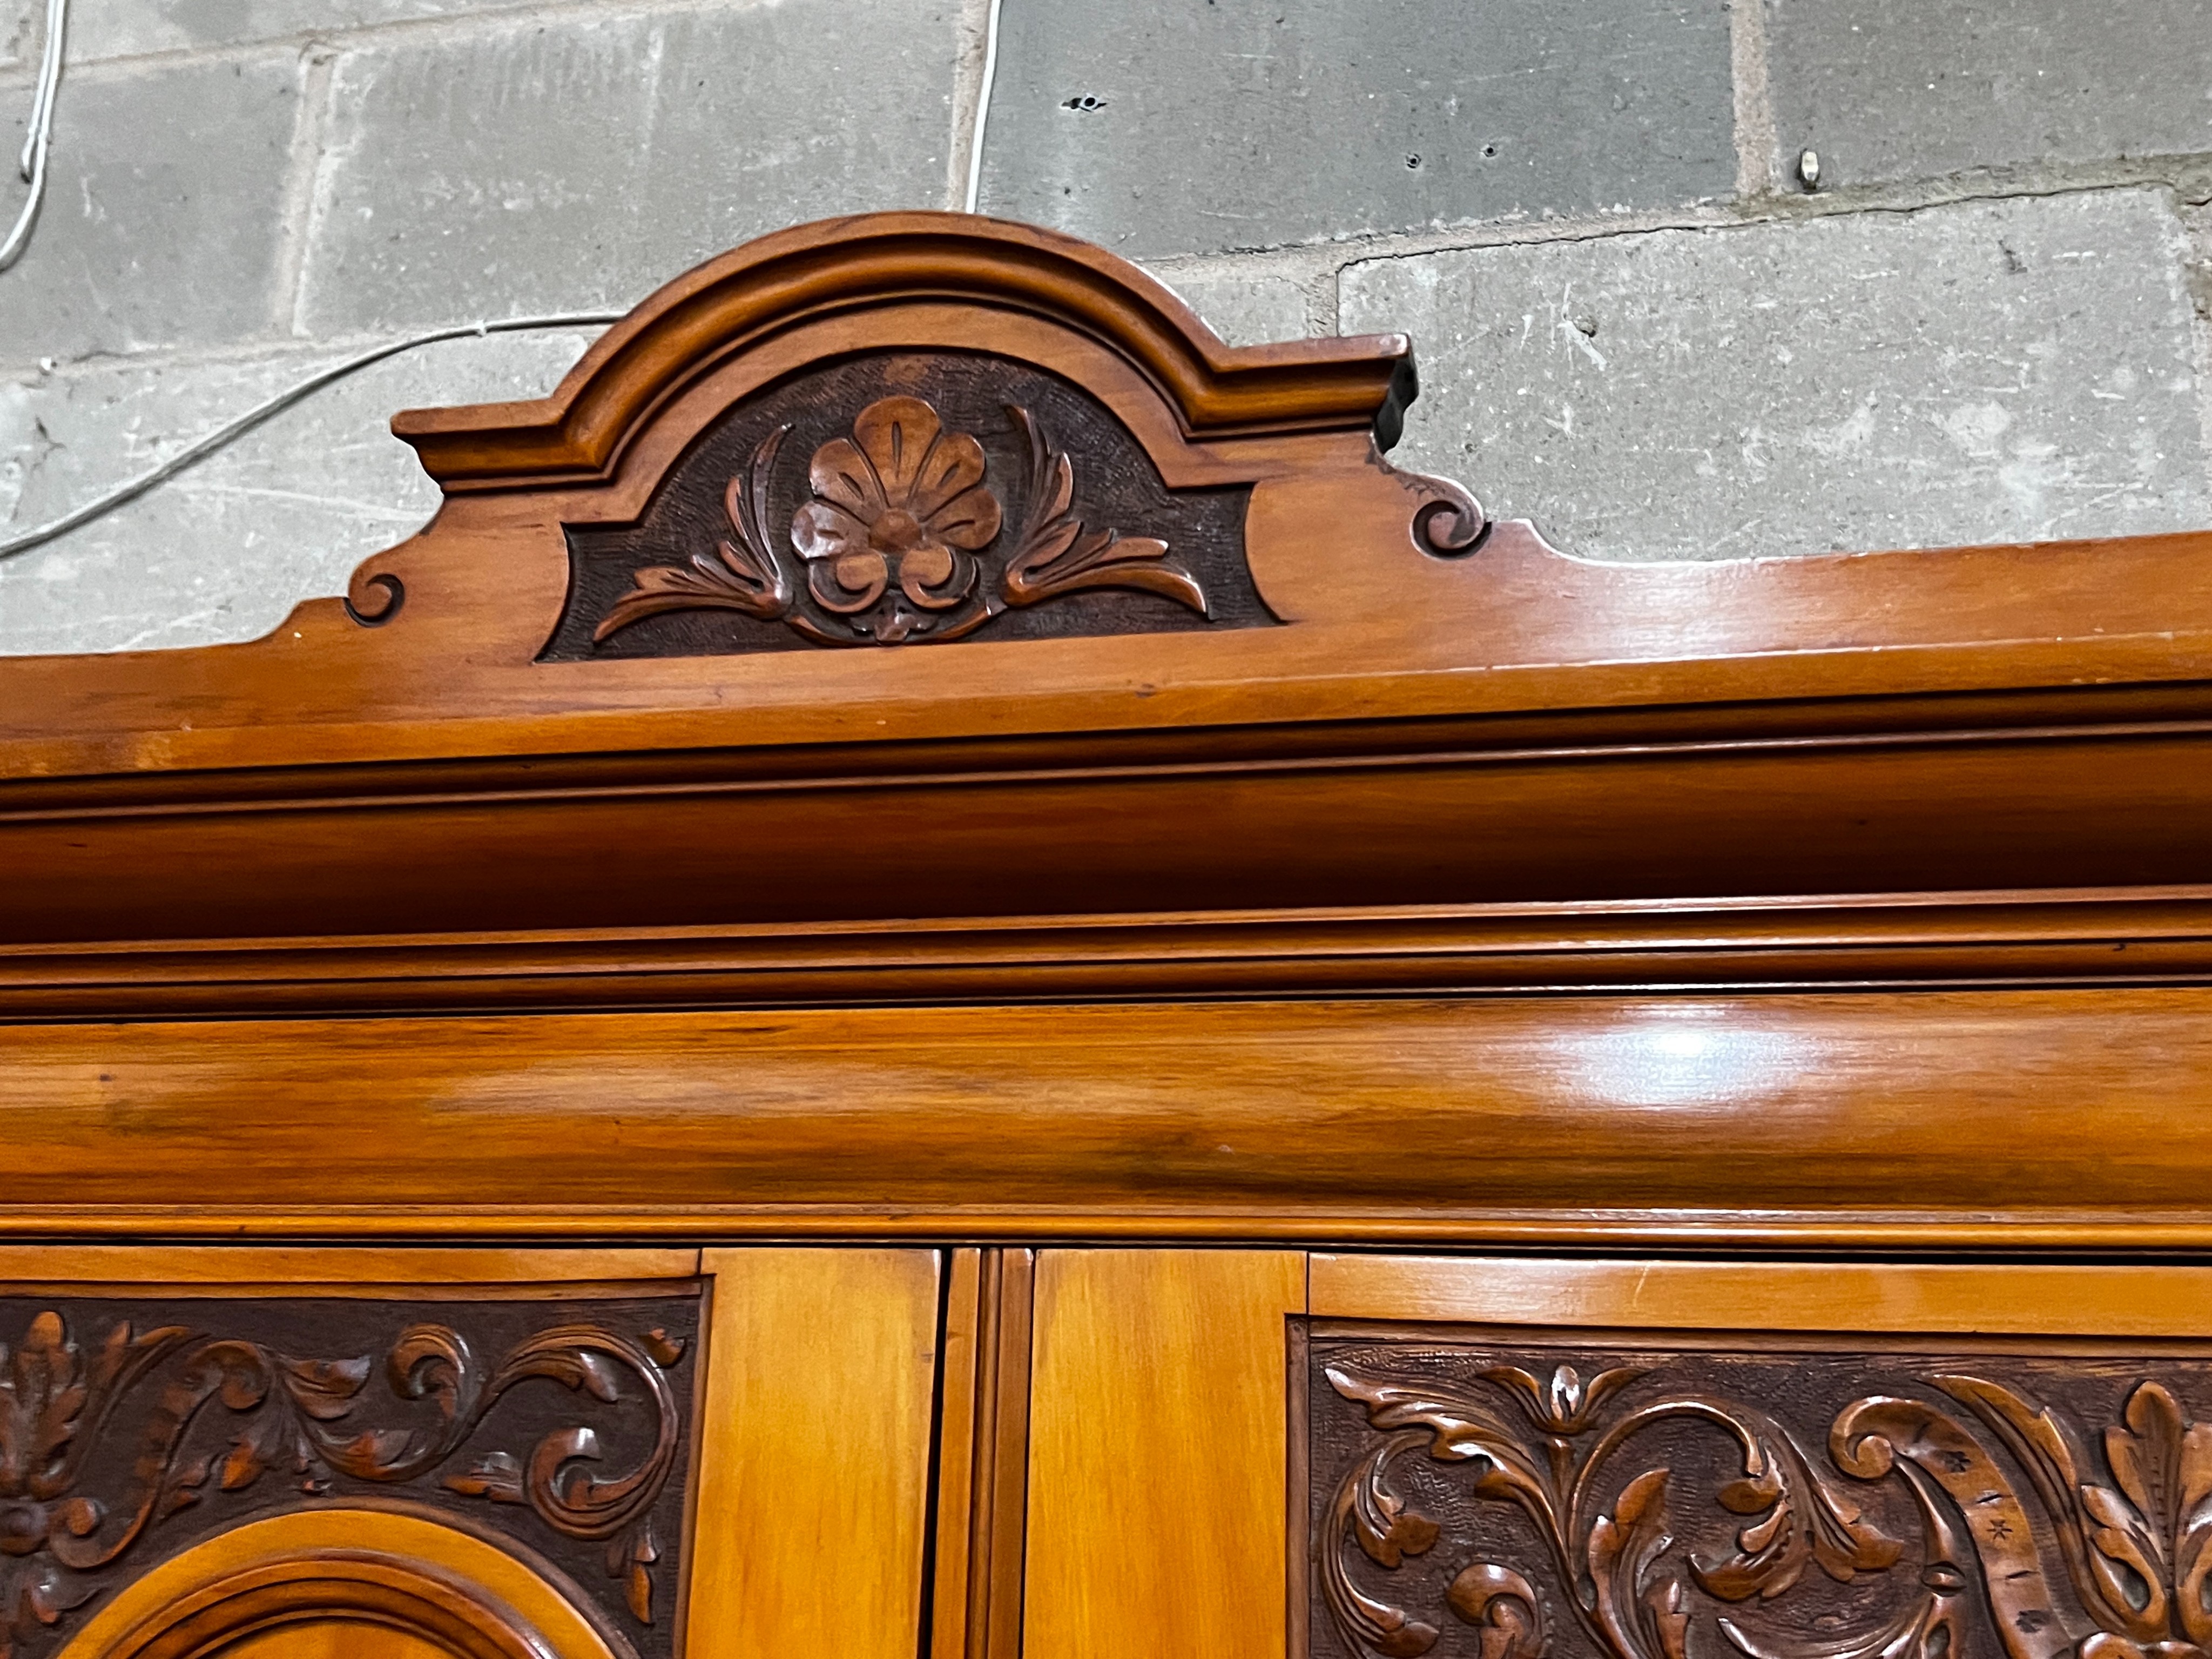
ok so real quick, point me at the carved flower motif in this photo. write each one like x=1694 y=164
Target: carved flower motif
x=900 y=503
x=1563 y=1404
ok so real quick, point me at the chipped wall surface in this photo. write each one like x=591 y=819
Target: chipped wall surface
x=1992 y=321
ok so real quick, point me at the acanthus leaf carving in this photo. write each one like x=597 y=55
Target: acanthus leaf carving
x=56 y=1408
x=1563 y=1403
x=1057 y=554
x=745 y=577
x=1638 y=1612
x=1998 y=1480
x=1504 y=1607
x=1387 y=1532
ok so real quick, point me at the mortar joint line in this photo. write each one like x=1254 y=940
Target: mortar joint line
x=310 y=136
x=1756 y=147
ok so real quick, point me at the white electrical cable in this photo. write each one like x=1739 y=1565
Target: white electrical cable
x=200 y=448
x=33 y=163
x=33 y=167
x=983 y=106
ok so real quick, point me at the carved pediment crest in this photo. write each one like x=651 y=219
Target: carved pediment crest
x=902 y=539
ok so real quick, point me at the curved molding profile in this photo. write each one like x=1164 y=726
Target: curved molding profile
x=812 y=271
x=408 y=1576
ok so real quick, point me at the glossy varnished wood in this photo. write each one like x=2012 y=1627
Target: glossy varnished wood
x=144 y=1415
x=418 y=1584
x=281 y=1270
x=1394 y=879
x=808 y=1528
x=1157 y=1453
x=2025 y=1115
x=1441 y=715
x=1875 y=941
x=2145 y=1299
x=982 y=1469
x=776 y=280
x=1761 y=1453
x=1575 y=812
x=334 y=1639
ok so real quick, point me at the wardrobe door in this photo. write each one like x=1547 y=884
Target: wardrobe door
x=363 y=1454
x=1355 y=1456
x=815 y=1453
x=1159 y=1453
x=1645 y=1459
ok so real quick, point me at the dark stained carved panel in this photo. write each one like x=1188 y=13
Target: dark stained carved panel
x=1516 y=1500
x=130 y=1429
x=907 y=499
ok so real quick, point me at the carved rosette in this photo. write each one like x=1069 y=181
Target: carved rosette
x=903 y=541
x=103 y=1445
x=1997 y=1482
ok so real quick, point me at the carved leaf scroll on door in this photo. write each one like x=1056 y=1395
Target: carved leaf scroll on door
x=1518 y=1505
x=128 y=1428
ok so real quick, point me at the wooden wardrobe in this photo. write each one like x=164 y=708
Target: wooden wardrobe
x=941 y=975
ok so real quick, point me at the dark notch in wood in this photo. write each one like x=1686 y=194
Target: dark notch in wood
x=699 y=320
x=982 y=1492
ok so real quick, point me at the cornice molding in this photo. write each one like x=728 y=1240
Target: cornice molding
x=810 y=272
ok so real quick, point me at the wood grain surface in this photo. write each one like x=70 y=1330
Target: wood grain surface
x=982 y=1466
x=1158 y=1440
x=1872 y=941
x=809 y=1525
x=1393 y=880
x=885 y=258
x=419 y=1581
x=2079 y=1112
x=1871 y=1297
x=1624 y=1496
x=334 y=1639
x=1589 y=809
x=561 y=1428
x=359 y=1271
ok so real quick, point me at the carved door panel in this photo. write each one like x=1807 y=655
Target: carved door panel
x=1369 y=1457
x=1648 y=1460
x=494 y=1455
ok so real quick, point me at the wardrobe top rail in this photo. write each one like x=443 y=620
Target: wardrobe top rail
x=920 y=564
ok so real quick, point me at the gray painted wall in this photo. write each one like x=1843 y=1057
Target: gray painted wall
x=1992 y=321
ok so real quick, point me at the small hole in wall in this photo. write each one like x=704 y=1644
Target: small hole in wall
x=1490 y=150
x=1412 y=163
x=1086 y=103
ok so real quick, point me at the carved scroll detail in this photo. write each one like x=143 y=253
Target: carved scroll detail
x=1451 y=524
x=894 y=545
x=1632 y=1610
x=1999 y=1481
x=2136 y=1557
x=60 y=1407
x=373 y=601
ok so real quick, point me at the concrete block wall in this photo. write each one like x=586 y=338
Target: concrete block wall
x=1992 y=320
